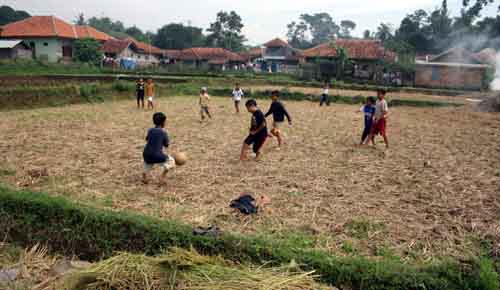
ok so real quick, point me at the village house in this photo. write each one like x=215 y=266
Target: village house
x=130 y=53
x=279 y=56
x=456 y=68
x=50 y=38
x=211 y=58
x=14 y=49
x=366 y=56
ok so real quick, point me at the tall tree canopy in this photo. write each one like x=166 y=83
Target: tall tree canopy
x=225 y=32
x=318 y=28
x=346 y=26
x=8 y=15
x=178 y=36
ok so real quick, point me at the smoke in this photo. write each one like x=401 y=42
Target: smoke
x=495 y=85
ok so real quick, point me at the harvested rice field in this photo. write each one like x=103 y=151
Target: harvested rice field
x=434 y=193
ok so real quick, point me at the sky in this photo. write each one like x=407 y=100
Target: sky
x=263 y=19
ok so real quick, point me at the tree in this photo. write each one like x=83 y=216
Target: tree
x=80 y=20
x=225 y=32
x=105 y=24
x=367 y=34
x=178 y=36
x=9 y=15
x=297 y=35
x=415 y=30
x=136 y=33
x=88 y=51
x=384 y=32
x=346 y=27
x=321 y=26
x=341 y=60
x=440 y=26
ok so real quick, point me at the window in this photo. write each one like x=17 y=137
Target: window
x=436 y=73
x=45 y=44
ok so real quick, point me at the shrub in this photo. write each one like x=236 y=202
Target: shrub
x=88 y=51
x=29 y=218
x=123 y=86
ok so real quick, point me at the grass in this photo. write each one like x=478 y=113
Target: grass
x=319 y=180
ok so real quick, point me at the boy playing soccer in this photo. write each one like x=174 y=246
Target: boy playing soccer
x=380 y=120
x=204 y=104
x=157 y=138
x=258 y=131
x=237 y=95
x=324 y=97
x=368 y=110
x=150 y=93
x=279 y=113
x=140 y=93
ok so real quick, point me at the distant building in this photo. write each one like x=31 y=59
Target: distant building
x=279 y=56
x=50 y=38
x=367 y=56
x=456 y=68
x=131 y=51
x=14 y=49
x=211 y=58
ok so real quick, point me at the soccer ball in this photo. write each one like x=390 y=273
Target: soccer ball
x=180 y=158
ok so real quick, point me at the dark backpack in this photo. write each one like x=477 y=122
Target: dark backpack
x=245 y=204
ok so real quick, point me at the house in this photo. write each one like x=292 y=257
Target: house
x=171 y=56
x=253 y=55
x=50 y=38
x=279 y=56
x=365 y=55
x=211 y=58
x=129 y=50
x=456 y=68
x=14 y=49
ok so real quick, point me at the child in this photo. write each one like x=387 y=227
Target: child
x=279 y=113
x=237 y=95
x=140 y=93
x=150 y=93
x=204 y=104
x=157 y=138
x=380 y=120
x=369 y=110
x=258 y=131
x=324 y=96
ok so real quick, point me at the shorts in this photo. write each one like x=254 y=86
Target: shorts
x=277 y=125
x=167 y=165
x=150 y=98
x=237 y=102
x=140 y=96
x=204 y=109
x=379 y=127
x=257 y=140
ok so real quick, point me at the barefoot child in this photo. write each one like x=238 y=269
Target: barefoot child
x=324 y=97
x=157 y=138
x=140 y=93
x=380 y=120
x=150 y=93
x=204 y=104
x=368 y=110
x=237 y=95
x=258 y=131
x=279 y=113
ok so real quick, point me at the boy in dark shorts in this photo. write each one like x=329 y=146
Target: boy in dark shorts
x=258 y=131
x=369 y=111
x=380 y=120
x=140 y=87
x=279 y=113
x=157 y=138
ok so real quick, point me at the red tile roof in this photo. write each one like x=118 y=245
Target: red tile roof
x=486 y=56
x=147 y=48
x=252 y=54
x=116 y=45
x=356 y=49
x=85 y=31
x=209 y=53
x=39 y=26
x=277 y=42
x=172 y=53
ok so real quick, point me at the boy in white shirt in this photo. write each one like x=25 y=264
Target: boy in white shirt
x=324 y=96
x=237 y=95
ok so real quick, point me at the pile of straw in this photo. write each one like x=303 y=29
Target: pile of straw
x=184 y=270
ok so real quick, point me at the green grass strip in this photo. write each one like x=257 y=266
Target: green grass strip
x=71 y=229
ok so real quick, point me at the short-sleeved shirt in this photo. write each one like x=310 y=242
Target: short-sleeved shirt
x=156 y=139
x=140 y=87
x=369 y=111
x=204 y=100
x=381 y=107
x=238 y=94
x=150 y=90
x=257 y=120
x=326 y=91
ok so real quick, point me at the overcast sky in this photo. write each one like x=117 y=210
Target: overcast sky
x=263 y=19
